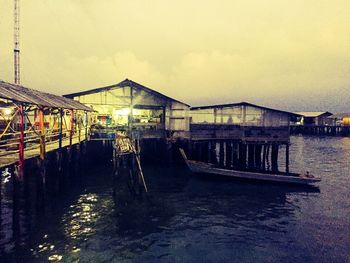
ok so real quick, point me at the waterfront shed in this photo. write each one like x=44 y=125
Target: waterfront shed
x=131 y=105
x=340 y=119
x=242 y=113
x=314 y=118
x=243 y=134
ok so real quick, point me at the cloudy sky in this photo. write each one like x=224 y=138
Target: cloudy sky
x=280 y=53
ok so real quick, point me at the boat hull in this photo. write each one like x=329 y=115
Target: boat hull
x=206 y=168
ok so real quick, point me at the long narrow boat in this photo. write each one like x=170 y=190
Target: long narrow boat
x=207 y=168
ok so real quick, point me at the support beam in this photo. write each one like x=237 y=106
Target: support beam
x=228 y=154
x=42 y=134
x=274 y=157
x=222 y=154
x=257 y=157
x=71 y=128
x=86 y=125
x=287 y=159
x=21 y=142
x=60 y=135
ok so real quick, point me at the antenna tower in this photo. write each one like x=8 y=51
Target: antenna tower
x=16 y=42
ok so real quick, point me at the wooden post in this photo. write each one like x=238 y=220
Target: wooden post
x=264 y=148
x=42 y=134
x=274 y=157
x=130 y=116
x=79 y=123
x=235 y=158
x=71 y=128
x=257 y=157
x=242 y=156
x=60 y=135
x=222 y=154
x=228 y=154
x=190 y=149
x=267 y=157
x=86 y=125
x=21 y=142
x=213 y=158
x=287 y=159
x=205 y=149
x=251 y=156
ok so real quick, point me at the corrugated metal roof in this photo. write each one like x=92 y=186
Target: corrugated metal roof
x=242 y=104
x=124 y=83
x=314 y=114
x=34 y=97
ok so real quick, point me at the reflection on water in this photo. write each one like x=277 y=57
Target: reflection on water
x=200 y=219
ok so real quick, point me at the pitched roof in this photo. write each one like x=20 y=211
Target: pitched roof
x=18 y=93
x=314 y=114
x=340 y=115
x=124 y=83
x=243 y=103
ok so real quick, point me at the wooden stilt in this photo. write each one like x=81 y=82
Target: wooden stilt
x=213 y=158
x=60 y=135
x=287 y=159
x=274 y=157
x=71 y=128
x=251 y=154
x=257 y=156
x=235 y=158
x=222 y=154
x=263 y=163
x=242 y=156
x=86 y=125
x=21 y=143
x=42 y=134
x=268 y=157
x=228 y=154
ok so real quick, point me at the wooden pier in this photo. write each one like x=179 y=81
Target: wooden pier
x=321 y=130
x=8 y=159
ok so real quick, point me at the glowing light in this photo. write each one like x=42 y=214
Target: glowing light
x=7 y=111
x=55 y=258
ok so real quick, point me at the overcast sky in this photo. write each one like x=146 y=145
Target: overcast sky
x=290 y=54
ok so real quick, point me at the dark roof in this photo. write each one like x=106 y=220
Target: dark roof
x=18 y=93
x=242 y=104
x=314 y=114
x=124 y=83
x=340 y=115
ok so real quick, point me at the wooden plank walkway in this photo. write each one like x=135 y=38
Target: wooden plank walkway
x=12 y=158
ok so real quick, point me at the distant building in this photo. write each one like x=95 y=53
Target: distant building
x=243 y=113
x=340 y=119
x=253 y=121
x=248 y=135
x=317 y=118
x=129 y=105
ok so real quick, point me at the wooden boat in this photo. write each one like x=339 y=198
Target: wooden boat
x=207 y=168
